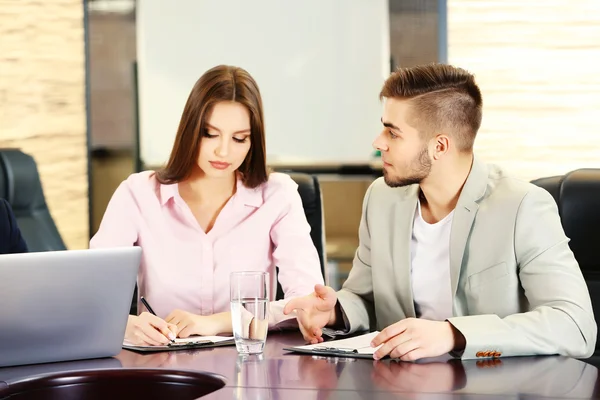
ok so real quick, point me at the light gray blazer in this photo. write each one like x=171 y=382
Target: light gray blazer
x=517 y=287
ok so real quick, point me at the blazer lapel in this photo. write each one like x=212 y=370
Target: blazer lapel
x=403 y=217
x=462 y=221
x=464 y=216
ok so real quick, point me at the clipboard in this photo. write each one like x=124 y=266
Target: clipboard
x=191 y=343
x=354 y=347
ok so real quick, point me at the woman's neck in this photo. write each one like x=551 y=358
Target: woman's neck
x=203 y=189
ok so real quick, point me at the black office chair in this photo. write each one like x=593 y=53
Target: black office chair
x=577 y=195
x=20 y=185
x=312 y=201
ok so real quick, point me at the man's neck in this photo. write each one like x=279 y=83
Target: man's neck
x=440 y=191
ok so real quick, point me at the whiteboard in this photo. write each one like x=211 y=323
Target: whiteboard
x=319 y=64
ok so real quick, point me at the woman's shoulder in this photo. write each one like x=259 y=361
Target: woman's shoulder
x=279 y=184
x=140 y=184
x=141 y=179
x=279 y=188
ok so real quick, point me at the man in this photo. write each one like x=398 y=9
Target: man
x=454 y=256
x=11 y=240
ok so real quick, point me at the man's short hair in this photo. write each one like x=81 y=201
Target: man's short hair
x=443 y=99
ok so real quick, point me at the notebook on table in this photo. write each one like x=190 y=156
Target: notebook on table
x=354 y=347
x=193 y=342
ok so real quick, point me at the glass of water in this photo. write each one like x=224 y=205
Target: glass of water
x=249 y=310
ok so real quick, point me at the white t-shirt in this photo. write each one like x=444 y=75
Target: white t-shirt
x=430 y=267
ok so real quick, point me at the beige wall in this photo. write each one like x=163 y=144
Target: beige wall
x=42 y=103
x=107 y=174
x=536 y=63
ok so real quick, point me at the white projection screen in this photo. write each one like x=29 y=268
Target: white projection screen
x=319 y=64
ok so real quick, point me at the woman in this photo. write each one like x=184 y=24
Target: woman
x=212 y=210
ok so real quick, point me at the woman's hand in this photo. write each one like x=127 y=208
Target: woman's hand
x=149 y=330
x=189 y=324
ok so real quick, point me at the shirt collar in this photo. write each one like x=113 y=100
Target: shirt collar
x=248 y=196
x=168 y=192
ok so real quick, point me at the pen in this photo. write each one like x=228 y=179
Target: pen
x=143 y=300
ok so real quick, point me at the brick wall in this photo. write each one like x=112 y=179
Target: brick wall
x=42 y=102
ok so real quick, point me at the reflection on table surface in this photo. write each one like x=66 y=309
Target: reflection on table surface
x=278 y=374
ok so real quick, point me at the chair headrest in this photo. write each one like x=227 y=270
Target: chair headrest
x=20 y=181
x=308 y=188
x=551 y=184
x=310 y=193
x=579 y=207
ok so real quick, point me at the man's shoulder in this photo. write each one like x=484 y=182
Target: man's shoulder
x=4 y=216
x=3 y=208
x=507 y=187
x=6 y=228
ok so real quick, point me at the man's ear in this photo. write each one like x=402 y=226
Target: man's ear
x=441 y=145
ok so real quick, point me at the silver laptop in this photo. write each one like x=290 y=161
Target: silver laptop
x=65 y=305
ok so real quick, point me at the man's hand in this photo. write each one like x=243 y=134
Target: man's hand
x=412 y=339
x=189 y=324
x=314 y=312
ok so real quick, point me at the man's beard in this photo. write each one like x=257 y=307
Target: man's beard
x=420 y=169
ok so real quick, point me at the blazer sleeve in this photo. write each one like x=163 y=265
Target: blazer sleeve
x=16 y=242
x=560 y=319
x=356 y=296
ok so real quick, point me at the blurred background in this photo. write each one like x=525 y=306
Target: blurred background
x=94 y=90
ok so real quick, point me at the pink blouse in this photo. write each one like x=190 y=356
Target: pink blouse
x=185 y=268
